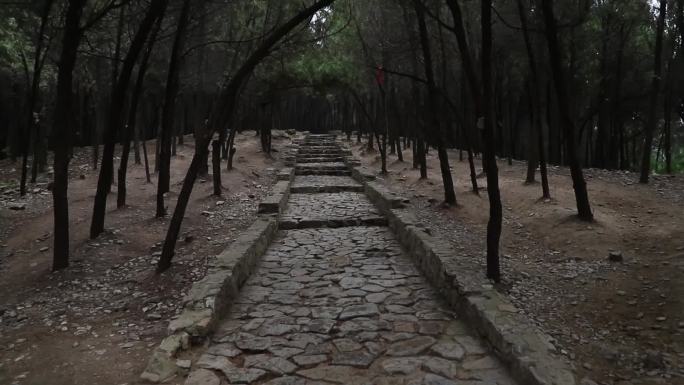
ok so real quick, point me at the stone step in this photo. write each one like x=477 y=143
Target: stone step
x=321 y=153
x=323 y=172
x=318 y=167
x=320 y=160
x=287 y=224
x=323 y=165
x=311 y=147
x=317 y=189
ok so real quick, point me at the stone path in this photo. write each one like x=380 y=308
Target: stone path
x=335 y=301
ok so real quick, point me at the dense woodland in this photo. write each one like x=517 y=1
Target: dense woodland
x=577 y=83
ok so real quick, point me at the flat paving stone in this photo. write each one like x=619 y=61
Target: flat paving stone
x=342 y=305
x=307 y=184
x=327 y=208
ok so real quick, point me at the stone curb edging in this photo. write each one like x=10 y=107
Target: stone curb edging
x=211 y=297
x=275 y=202
x=527 y=351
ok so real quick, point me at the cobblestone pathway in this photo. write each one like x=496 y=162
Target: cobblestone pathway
x=340 y=305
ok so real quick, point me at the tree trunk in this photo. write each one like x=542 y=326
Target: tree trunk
x=32 y=97
x=168 y=115
x=219 y=119
x=62 y=132
x=132 y=119
x=231 y=147
x=147 y=163
x=449 y=194
x=156 y=10
x=495 y=210
x=579 y=184
x=652 y=121
x=216 y=163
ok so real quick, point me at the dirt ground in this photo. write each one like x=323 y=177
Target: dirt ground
x=619 y=323
x=97 y=322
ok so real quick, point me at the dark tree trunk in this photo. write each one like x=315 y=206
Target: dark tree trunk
x=231 y=147
x=419 y=154
x=652 y=121
x=535 y=129
x=433 y=94
x=155 y=11
x=495 y=210
x=216 y=166
x=130 y=128
x=147 y=162
x=32 y=98
x=62 y=132
x=579 y=184
x=400 y=155
x=219 y=119
x=168 y=115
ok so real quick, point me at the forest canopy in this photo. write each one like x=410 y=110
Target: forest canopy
x=578 y=83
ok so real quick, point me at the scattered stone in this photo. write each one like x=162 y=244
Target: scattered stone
x=615 y=256
x=17 y=206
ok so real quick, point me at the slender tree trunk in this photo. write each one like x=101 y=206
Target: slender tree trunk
x=216 y=163
x=62 y=132
x=449 y=194
x=147 y=163
x=168 y=115
x=400 y=155
x=231 y=147
x=136 y=144
x=652 y=121
x=579 y=184
x=495 y=210
x=32 y=98
x=132 y=119
x=155 y=10
x=667 y=133
x=220 y=117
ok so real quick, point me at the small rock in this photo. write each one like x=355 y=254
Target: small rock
x=184 y=364
x=615 y=256
x=17 y=206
